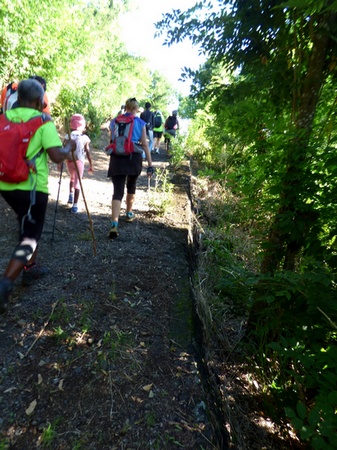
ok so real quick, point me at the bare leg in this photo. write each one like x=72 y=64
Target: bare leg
x=76 y=196
x=15 y=266
x=71 y=192
x=130 y=198
x=115 y=210
x=13 y=269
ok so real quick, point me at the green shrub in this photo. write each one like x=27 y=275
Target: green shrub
x=296 y=339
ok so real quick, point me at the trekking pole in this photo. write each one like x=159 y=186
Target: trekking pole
x=85 y=202
x=57 y=201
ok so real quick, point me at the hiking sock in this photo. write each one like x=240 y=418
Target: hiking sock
x=74 y=208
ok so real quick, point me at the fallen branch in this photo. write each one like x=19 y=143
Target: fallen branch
x=42 y=329
x=332 y=324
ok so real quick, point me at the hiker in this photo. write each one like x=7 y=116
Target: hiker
x=172 y=124
x=9 y=95
x=77 y=127
x=171 y=127
x=20 y=196
x=122 y=110
x=148 y=117
x=43 y=83
x=6 y=92
x=126 y=168
x=158 y=129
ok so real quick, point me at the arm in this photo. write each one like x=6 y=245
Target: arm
x=87 y=152
x=46 y=108
x=143 y=141
x=59 y=154
x=111 y=129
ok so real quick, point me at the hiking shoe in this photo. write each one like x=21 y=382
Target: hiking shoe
x=113 y=233
x=71 y=198
x=32 y=273
x=6 y=287
x=157 y=151
x=74 y=209
x=130 y=217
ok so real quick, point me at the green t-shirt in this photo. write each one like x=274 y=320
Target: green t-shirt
x=45 y=137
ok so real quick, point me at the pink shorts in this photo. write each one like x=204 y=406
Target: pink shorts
x=73 y=173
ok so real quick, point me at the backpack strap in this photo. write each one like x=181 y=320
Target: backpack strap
x=32 y=166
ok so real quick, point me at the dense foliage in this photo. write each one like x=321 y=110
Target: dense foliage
x=265 y=126
x=77 y=48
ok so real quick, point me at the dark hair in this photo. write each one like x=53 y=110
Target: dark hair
x=29 y=90
x=147 y=105
x=41 y=80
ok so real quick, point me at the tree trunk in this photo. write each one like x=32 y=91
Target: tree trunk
x=284 y=244
x=281 y=248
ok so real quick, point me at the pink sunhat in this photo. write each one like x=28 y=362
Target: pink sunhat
x=77 y=122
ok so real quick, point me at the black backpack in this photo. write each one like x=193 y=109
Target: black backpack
x=157 y=120
x=171 y=122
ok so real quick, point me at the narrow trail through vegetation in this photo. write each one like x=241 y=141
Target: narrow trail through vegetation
x=96 y=354
x=107 y=352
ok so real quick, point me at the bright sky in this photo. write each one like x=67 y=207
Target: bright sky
x=141 y=42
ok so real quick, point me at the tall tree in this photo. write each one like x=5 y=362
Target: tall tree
x=286 y=52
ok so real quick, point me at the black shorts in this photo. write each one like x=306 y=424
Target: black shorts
x=157 y=134
x=20 y=201
x=125 y=165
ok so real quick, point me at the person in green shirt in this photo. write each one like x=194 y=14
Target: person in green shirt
x=31 y=215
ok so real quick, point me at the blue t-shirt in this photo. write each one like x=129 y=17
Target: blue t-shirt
x=138 y=126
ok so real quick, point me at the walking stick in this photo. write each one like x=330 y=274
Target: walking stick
x=85 y=202
x=57 y=201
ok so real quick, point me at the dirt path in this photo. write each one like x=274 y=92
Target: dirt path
x=96 y=354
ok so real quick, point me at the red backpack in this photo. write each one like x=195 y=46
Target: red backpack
x=121 y=137
x=14 y=141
